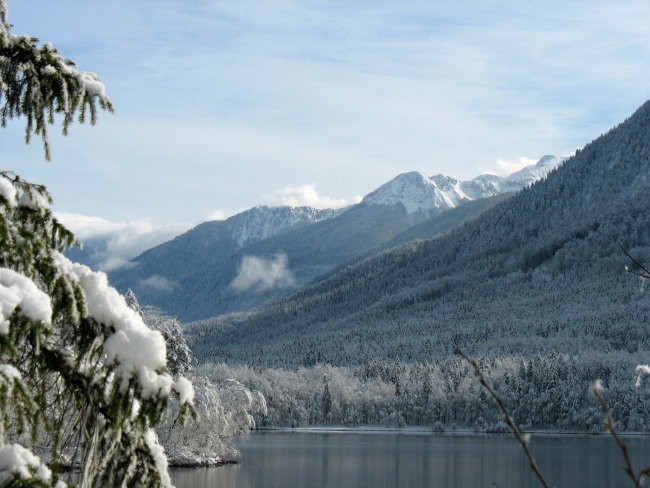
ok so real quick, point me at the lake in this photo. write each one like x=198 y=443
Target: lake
x=279 y=459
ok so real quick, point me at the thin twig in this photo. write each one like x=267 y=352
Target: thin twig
x=506 y=417
x=644 y=273
x=609 y=425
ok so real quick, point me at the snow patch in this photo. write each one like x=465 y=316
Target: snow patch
x=417 y=192
x=48 y=70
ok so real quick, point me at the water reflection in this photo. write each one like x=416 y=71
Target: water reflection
x=389 y=460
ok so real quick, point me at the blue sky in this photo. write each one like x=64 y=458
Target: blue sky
x=222 y=105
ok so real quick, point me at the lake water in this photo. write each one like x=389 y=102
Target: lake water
x=279 y=459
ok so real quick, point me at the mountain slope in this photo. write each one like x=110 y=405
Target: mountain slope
x=267 y=252
x=539 y=271
x=172 y=275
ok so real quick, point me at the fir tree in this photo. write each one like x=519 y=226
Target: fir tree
x=81 y=375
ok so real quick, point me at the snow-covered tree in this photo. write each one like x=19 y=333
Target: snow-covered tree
x=225 y=407
x=81 y=376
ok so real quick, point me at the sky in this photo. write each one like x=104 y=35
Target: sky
x=221 y=105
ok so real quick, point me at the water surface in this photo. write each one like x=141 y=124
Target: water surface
x=280 y=459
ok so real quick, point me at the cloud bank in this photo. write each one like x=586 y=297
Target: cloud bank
x=109 y=245
x=297 y=196
x=260 y=274
x=505 y=167
x=159 y=283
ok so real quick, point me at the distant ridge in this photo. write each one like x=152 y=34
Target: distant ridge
x=540 y=271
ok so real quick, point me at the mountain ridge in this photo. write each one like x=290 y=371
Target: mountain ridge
x=540 y=271
x=192 y=276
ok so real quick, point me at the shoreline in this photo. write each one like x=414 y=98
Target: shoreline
x=379 y=430
x=200 y=464
x=416 y=430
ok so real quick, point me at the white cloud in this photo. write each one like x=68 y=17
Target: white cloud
x=505 y=167
x=297 y=196
x=217 y=214
x=112 y=244
x=159 y=283
x=260 y=274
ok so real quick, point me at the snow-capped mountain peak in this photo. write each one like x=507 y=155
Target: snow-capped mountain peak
x=427 y=195
x=262 y=221
x=417 y=192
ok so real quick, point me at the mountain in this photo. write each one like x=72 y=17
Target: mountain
x=428 y=195
x=180 y=275
x=267 y=252
x=537 y=272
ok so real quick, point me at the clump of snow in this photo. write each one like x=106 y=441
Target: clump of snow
x=134 y=348
x=158 y=453
x=597 y=388
x=48 y=70
x=15 y=459
x=17 y=290
x=9 y=372
x=92 y=84
x=8 y=191
x=185 y=390
x=33 y=200
x=641 y=371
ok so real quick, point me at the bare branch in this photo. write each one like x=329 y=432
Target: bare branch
x=609 y=425
x=506 y=417
x=644 y=273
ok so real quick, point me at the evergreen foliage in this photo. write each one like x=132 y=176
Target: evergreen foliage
x=81 y=376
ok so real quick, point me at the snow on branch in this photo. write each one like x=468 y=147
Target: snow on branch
x=19 y=292
x=15 y=460
x=133 y=348
x=37 y=82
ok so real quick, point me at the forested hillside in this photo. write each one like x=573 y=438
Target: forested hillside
x=541 y=271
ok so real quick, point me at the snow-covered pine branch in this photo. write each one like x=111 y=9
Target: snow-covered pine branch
x=38 y=83
x=83 y=380
x=72 y=351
